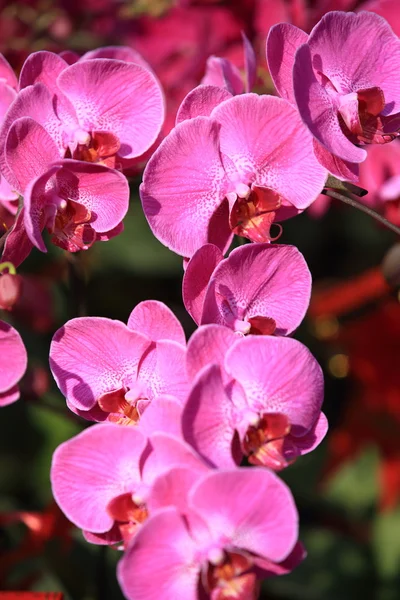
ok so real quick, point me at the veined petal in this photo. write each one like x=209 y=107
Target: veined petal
x=201 y=101
x=196 y=278
x=124 y=53
x=335 y=50
x=279 y=375
x=14 y=358
x=208 y=345
x=157 y=321
x=30 y=151
x=43 y=67
x=163 y=370
x=270 y=147
x=207 y=420
x=222 y=73
x=7 y=73
x=259 y=280
x=93 y=468
x=160 y=561
x=184 y=186
x=318 y=111
x=264 y=523
x=134 y=112
x=282 y=42
x=91 y=356
x=103 y=191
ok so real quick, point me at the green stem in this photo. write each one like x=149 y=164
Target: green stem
x=8 y=265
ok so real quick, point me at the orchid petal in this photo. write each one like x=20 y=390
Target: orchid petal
x=264 y=523
x=270 y=147
x=282 y=42
x=93 y=468
x=13 y=357
x=160 y=562
x=259 y=280
x=280 y=375
x=317 y=110
x=91 y=356
x=134 y=112
x=207 y=420
x=201 y=101
x=157 y=321
x=184 y=186
x=196 y=278
x=208 y=345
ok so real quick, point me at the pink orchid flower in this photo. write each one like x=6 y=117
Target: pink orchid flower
x=102 y=478
x=124 y=367
x=77 y=202
x=258 y=289
x=236 y=171
x=260 y=397
x=215 y=543
x=87 y=122
x=345 y=97
x=282 y=43
x=13 y=363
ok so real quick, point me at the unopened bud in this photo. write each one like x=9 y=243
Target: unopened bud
x=10 y=290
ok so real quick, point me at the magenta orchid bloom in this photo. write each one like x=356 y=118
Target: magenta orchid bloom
x=262 y=400
x=123 y=369
x=74 y=105
x=216 y=542
x=233 y=172
x=346 y=97
x=77 y=202
x=13 y=363
x=258 y=289
x=102 y=478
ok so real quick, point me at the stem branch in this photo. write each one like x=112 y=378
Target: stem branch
x=356 y=204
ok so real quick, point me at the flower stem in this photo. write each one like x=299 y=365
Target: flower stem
x=347 y=199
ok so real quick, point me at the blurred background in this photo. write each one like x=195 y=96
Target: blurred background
x=348 y=490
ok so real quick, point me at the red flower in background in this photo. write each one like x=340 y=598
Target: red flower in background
x=370 y=343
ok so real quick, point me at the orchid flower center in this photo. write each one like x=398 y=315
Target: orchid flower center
x=124 y=405
x=127 y=514
x=97 y=147
x=252 y=215
x=360 y=113
x=264 y=442
x=254 y=326
x=68 y=222
x=232 y=578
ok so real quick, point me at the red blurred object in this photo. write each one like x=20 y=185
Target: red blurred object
x=371 y=342
x=42 y=527
x=31 y=596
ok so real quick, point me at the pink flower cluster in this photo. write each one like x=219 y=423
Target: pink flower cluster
x=65 y=141
x=160 y=473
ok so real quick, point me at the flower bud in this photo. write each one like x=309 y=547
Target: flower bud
x=10 y=290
